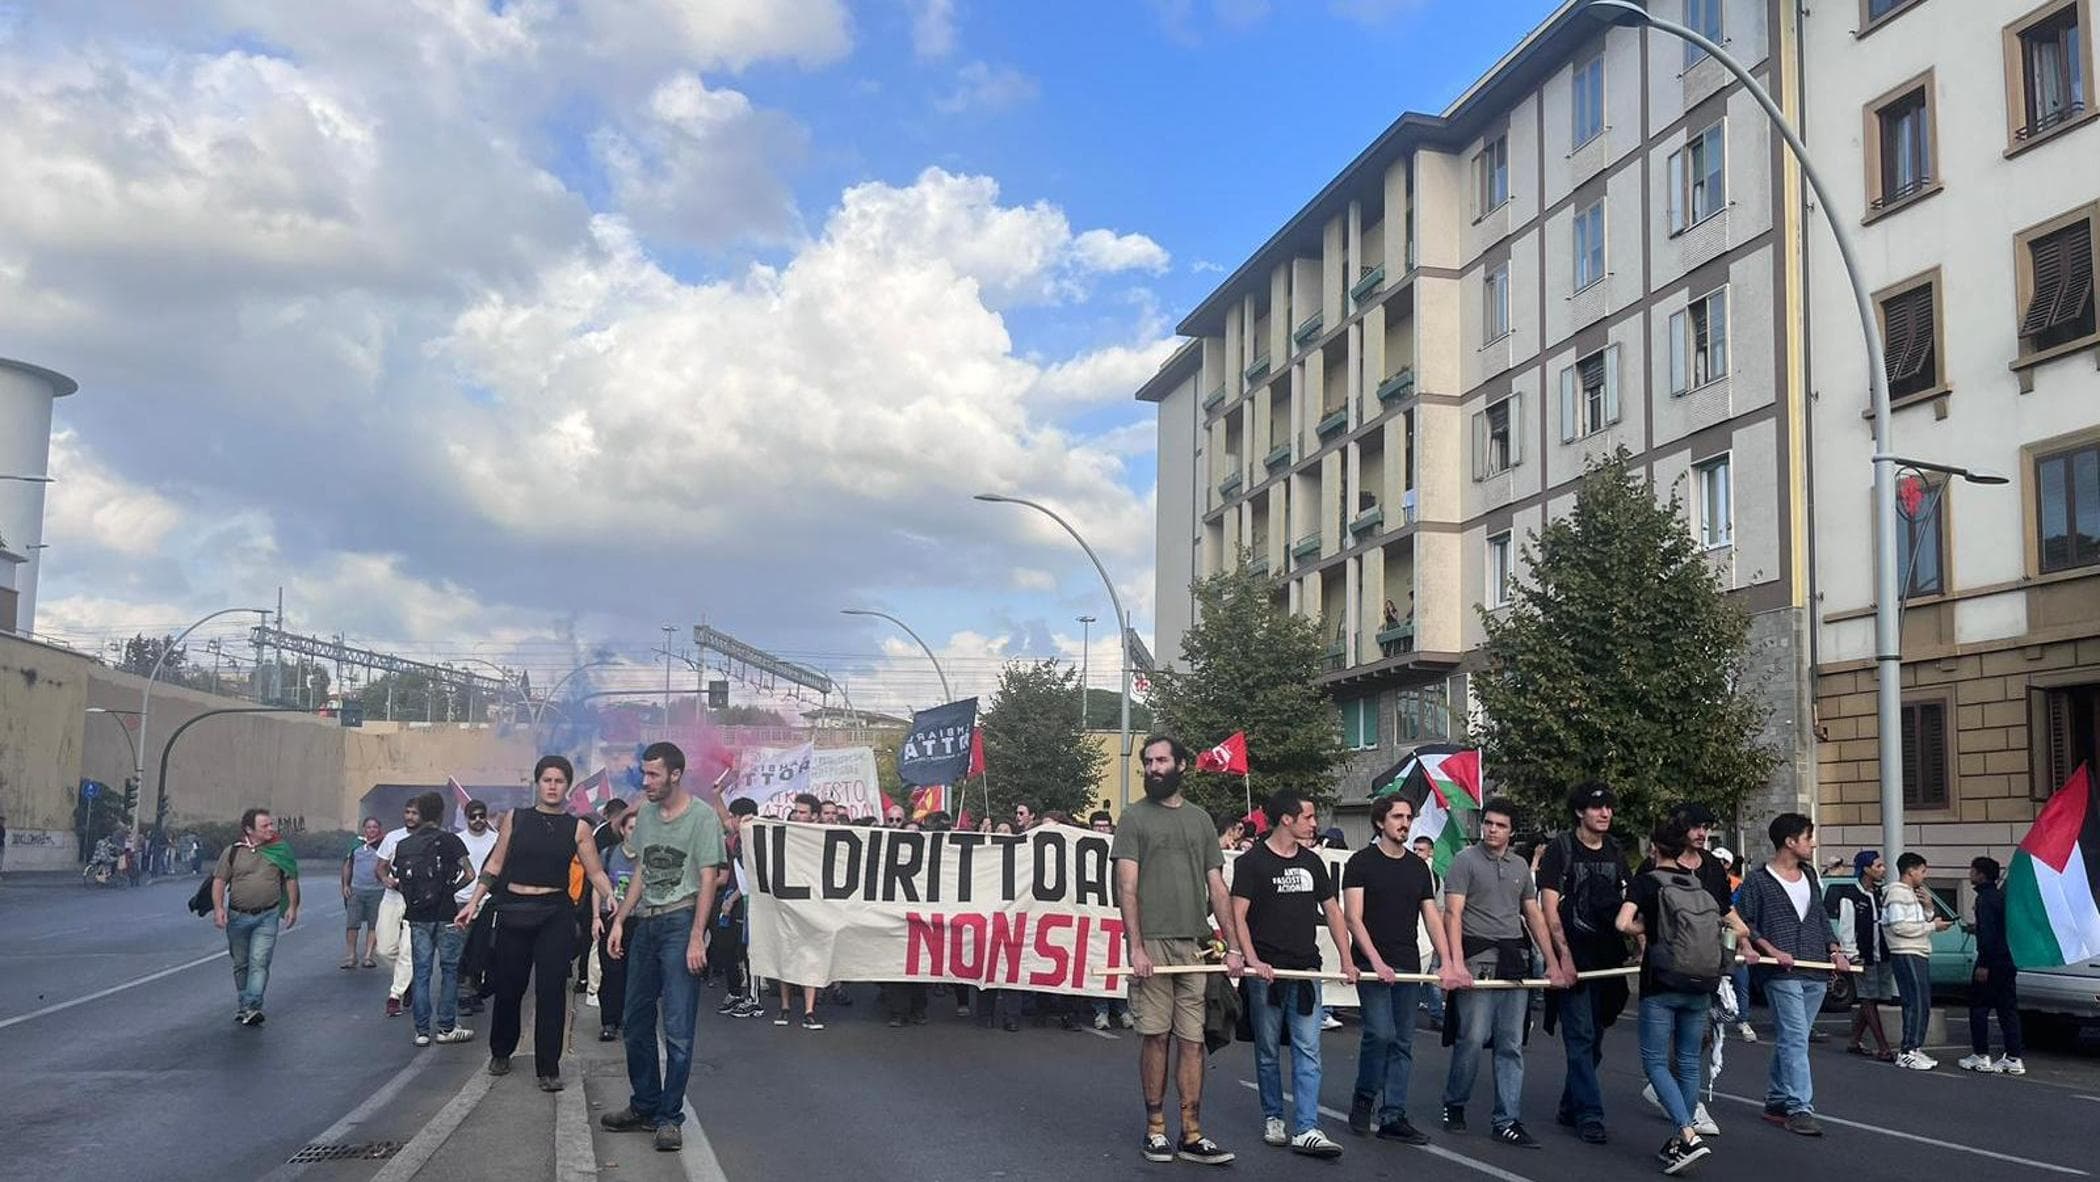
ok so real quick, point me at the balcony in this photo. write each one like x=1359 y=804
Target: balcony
x=1277 y=458
x=1394 y=639
x=1306 y=547
x=1258 y=370
x=1212 y=400
x=1258 y=566
x=1231 y=485
x=1332 y=423
x=1337 y=655
x=1400 y=385
x=1309 y=330
x=1372 y=278
x=1368 y=520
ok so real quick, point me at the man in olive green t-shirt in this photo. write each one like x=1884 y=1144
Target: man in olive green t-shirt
x=1169 y=878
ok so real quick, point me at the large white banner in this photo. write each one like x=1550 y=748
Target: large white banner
x=774 y=776
x=1034 y=911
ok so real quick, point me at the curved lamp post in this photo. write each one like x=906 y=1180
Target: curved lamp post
x=947 y=695
x=138 y=758
x=554 y=692
x=1122 y=626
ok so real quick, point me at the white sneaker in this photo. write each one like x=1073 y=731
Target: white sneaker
x=1101 y=1021
x=1330 y=1022
x=422 y=1040
x=591 y=999
x=1314 y=1143
x=456 y=1034
x=1748 y=1031
x=1648 y=1094
x=1913 y=1061
x=1272 y=1132
x=2008 y=1065
x=1926 y=1059
x=1978 y=1063
x=1703 y=1124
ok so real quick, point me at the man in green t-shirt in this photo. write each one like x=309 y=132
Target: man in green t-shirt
x=1170 y=878
x=672 y=895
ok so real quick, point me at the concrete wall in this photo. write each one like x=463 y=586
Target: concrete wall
x=1176 y=519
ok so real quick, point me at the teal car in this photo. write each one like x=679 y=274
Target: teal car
x=1953 y=951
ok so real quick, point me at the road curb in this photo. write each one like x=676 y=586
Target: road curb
x=575 y=1156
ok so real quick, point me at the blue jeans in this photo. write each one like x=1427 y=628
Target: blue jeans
x=1485 y=1014
x=1673 y=1027
x=1385 y=1060
x=656 y=972
x=1739 y=980
x=1795 y=1003
x=434 y=949
x=1914 y=986
x=1581 y=1097
x=1268 y=1021
x=251 y=939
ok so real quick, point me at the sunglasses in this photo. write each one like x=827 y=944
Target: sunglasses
x=477 y=816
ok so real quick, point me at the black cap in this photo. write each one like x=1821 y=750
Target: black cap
x=1694 y=815
x=1591 y=795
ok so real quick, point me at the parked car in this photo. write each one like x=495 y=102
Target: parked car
x=2064 y=998
x=1953 y=952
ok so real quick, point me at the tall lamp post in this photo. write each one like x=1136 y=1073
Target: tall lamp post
x=1086 y=639
x=947 y=695
x=1888 y=619
x=138 y=757
x=1122 y=628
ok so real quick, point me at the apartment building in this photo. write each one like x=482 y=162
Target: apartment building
x=1591 y=248
x=1958 y=137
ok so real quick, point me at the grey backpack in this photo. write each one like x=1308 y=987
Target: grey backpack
x=1684 y=951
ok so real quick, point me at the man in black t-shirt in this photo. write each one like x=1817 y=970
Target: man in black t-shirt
x=1387 y=893
x=1281 y=891
x=428 y=866
x=1582 y=881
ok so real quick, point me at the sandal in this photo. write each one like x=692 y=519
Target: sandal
x=369 y=963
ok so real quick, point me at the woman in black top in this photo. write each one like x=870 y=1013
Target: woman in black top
x=535 y=918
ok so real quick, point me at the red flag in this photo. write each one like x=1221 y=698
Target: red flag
x=1463 y=768
x=589 y=793
x=1229 y=756
x=927 y=801
x=976 y=752
x=461 y=800
x=963 y=822
x=1258 y=821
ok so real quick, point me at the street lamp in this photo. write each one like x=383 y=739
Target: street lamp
x=117 y=716
x=1086 y=638
x=540 y=707
x=947 y=695
x=1888 y=619
x=1122 y=621
x=138 y=755
x=30 y=479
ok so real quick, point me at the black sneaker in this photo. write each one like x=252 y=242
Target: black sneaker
x=499 y=1065
x=1775 y=1115
x=1593 y=1132
x=1514 y=1134
x=669 y=1139
x=729 y=1004
x=1803 y=1124
x=1454 y=1118
x=1398 y=1129
x=1203 y=1151
x=1676 y=1156
x=1361 y=1109
x=626 y=1120
x=1157 y=1147
x=608 y=1034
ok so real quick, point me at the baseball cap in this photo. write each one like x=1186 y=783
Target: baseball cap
x=1722 y=852
x=1864 y=859
x=1590 y=796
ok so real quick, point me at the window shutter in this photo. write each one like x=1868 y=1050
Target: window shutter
x=2049 y=713
x=1611 y=384
x=1368 y=708
x=1678 y=322
x=1677 y=190
x=1932 y=754
x=1516 y=429
x=1910 y=754
x=2077 y=289
x=1567 y=405
x=2049 y=279
x=1909 y=333
x=1480 y=444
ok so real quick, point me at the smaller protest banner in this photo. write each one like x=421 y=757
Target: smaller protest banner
x=774 y=776
x=937 y=749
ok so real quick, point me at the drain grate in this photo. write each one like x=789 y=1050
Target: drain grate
x=366 y=1151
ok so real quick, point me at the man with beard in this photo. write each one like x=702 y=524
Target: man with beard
x=480 y=838
x=1170 y=877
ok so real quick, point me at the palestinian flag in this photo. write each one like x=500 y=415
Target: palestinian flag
x=2052 y=914
x=1443 y=782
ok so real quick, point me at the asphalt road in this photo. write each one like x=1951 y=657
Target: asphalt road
x=153 y=1080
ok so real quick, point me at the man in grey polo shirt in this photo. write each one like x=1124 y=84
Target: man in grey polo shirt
x=1490 y=901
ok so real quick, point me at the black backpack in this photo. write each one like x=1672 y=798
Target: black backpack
x=423 y=874
x=1589 y=893
x=1685 y=954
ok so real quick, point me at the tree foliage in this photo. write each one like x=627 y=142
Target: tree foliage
x=142 y=652
x=1034 y=749
x=1619 y=659
x=1247 y=665
x=1104 y=712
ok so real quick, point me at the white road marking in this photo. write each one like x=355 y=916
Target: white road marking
x=340 y=1130
x=1102 y=1034
x=1923 y=1140
x=99 y=994
x=575 y=1160
x=698 y=1156
x=1437 y=1151
x=2094 y=1099
x=425 y=1144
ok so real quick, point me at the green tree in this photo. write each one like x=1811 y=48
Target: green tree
x=1104 y=712
x=1247 y=665
x=141 y=652
x=746 y=716
x=1034 y=749
x=1619 y=659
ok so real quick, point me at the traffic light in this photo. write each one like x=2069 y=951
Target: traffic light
x=131 y=795
x=351 y=714
x=718 y=695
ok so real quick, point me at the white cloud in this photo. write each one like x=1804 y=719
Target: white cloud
x=1205 y=267
x=1104 y=375
x=986 y=88
x=702 y=166
x=88 y=504
x=1028 y=578
x=717 y=33
x=932 y=28
x=1106 y=250
x=1371 y=12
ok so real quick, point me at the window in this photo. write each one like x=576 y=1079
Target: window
x=1494 y=316
x=1360 y=723
x=1420 y=714
x=2052 y=78
x=1921 y=537
x=1876 y=9
x=2058 y=279
x=1716 y=522
x=2067 y=491
x=1497 y=442
x=1910 y=332
x=1498 y=570
x=1925 y=754
x=1492 y=169
x=1905 y=125
x=1704 y=18
x=1589 y=245
x=1698 y=179
x=1699 y=342
x=1589 y=394
x=2065 y=725
x=1589 y=100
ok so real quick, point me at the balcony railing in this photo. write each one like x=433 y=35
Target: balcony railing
x=1212 y=399
x=1337 y=655
x=1309 y=329
x=1394 y=639
x=1257 y=369
x=1306 y=547
x=1332 y=423
x=1231 y=485
x=1372 y=279
x=1400 y=385
x=1259 y=566
x=1277 y=457
x=1368 y=520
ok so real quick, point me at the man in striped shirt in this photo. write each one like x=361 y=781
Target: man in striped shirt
x=1782 y=904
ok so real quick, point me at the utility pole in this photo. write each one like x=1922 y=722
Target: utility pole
x=668 y=630
x=1086 y=631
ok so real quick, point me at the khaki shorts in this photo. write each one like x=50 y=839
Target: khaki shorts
x=1170 y=1002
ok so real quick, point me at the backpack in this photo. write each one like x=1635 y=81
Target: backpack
x=426 y=876
x=200 y=902
x=1684 y=951
x=1589 y=894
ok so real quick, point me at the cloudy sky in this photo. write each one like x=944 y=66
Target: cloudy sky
x=513 y=329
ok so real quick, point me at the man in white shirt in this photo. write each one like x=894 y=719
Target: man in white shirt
x=480 y=838
x=393 y=924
